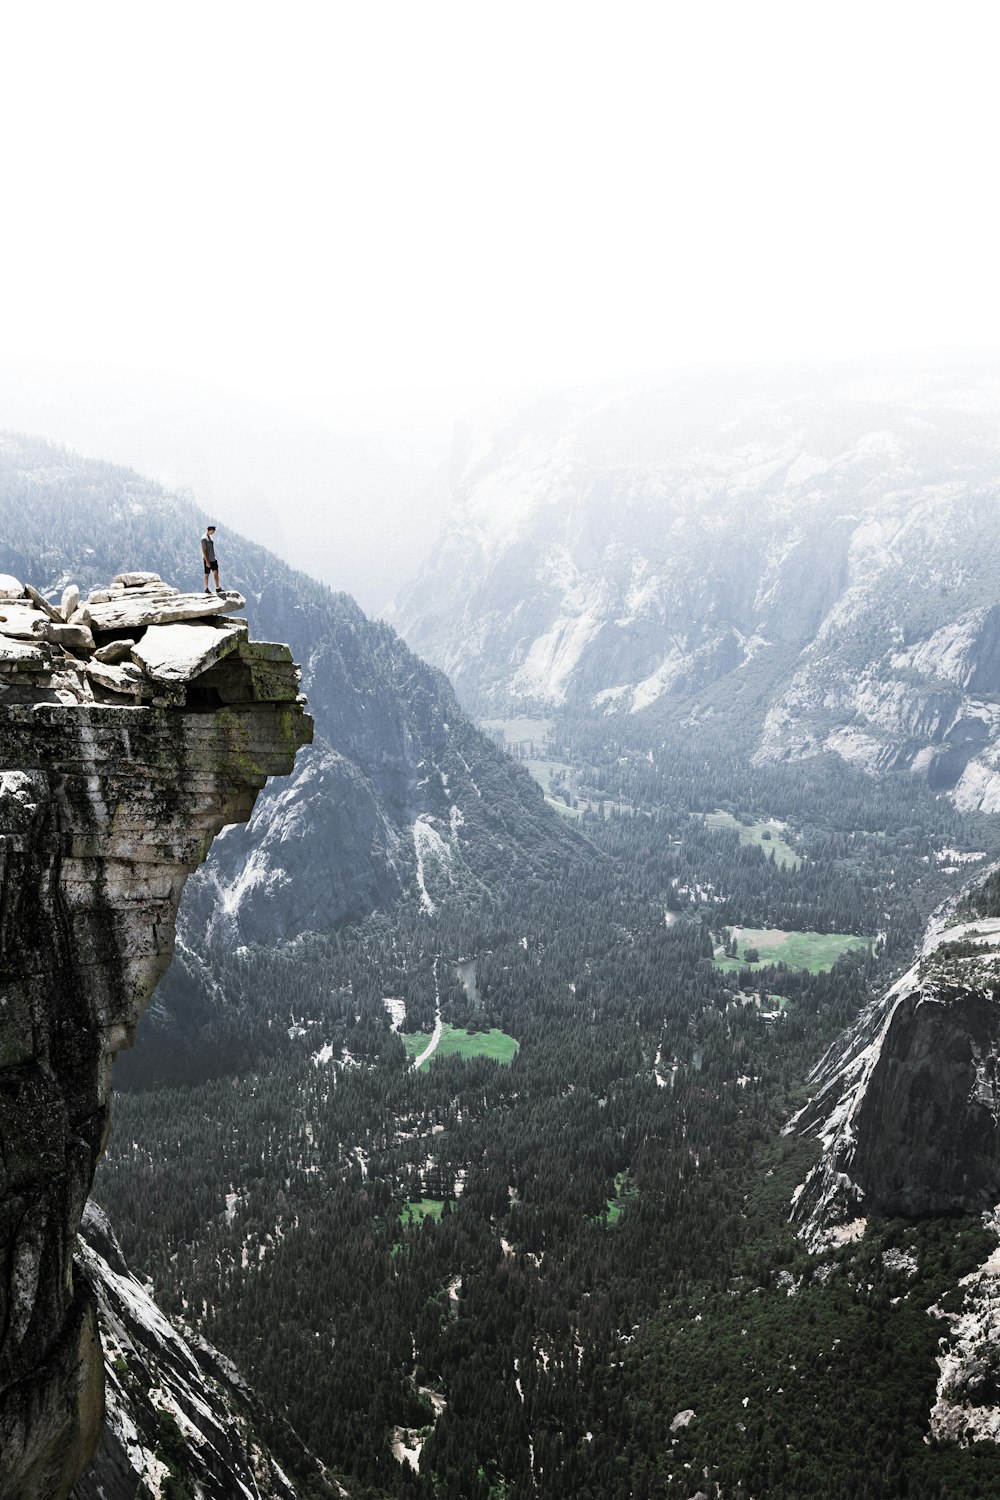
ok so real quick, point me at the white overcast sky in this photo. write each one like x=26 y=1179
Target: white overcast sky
x=346 y=209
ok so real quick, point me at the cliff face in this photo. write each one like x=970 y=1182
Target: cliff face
x=122 y=754
x=168 y=1397
x=815 y=544
x=908 y=1109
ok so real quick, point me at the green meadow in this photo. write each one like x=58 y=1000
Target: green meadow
x=814 y=951
x=455 y=1042
x=421 y=1208
x=767 y=834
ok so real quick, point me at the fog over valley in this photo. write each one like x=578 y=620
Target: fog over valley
x=499 y=753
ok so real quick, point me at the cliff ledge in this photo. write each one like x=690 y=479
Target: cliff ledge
x=134 y=726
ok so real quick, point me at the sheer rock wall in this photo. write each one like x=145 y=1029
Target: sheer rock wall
x=105 y=808
x=907 y=1106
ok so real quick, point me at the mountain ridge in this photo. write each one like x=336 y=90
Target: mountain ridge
x=393 y=749
x=655 y=550
x=276 y=475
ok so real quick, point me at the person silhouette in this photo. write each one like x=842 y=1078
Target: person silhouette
x=209 y=558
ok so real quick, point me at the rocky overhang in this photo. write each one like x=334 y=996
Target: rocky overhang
x=134 y=726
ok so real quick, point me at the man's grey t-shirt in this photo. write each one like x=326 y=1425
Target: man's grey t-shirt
x=208 y=542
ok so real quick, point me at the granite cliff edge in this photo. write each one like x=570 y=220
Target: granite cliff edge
x=134 y=726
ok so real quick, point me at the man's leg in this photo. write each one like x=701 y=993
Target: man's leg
x=207 y=572
x=215 y=571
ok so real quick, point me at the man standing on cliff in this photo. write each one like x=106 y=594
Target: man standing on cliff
x=210 y=559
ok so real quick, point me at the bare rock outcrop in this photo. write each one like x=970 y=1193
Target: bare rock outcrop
x=908 y=1106
x=165 y=1388
x=111 y=791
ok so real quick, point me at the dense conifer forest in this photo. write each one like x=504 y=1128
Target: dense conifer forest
x=554 y=1258
x=569 y=1274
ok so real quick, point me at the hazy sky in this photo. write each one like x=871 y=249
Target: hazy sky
x=349 y=208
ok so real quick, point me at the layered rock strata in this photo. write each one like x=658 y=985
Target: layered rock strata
x=117 y=769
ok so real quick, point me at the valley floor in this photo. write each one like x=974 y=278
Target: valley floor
x=523 y=1230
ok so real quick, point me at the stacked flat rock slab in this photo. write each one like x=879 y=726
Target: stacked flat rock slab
x=115 y=776
x=138 y=640
x=177 y=653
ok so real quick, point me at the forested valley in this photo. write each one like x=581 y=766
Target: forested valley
x=555 y=1259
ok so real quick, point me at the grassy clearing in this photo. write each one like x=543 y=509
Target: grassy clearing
x=522 y=731
x=624 y=1190
x=560 y=807
x=766 y=834
x=814 y=951
x=421 y=1208
x=547 y=771
x=455 y=1042
x=772 y=1003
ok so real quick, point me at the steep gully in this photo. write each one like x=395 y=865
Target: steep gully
x=133 y=727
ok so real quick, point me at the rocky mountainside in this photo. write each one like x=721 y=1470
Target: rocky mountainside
x=907 y=1107
x=814 y=547
x=174 y=1406
x=907 y=1111
x=120 y=761
x=399 y=796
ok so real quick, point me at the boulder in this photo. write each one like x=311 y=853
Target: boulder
x=40 y=602
x=23 y=656
x=126 y=679
x=144 y=591
x=70 y=601
x=73 y=637
x=136 y=580
x=179 y=652
x=10 y=587
x=273 y=675
x=114 y=652
x=132 y=611
x=24 y=623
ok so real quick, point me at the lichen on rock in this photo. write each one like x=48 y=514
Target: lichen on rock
x=111 y=791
